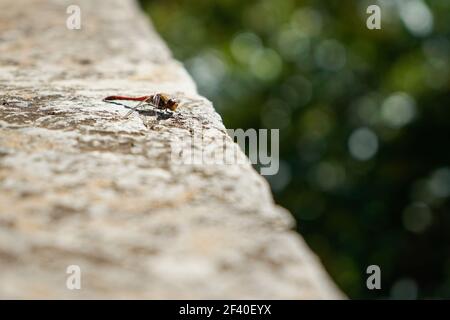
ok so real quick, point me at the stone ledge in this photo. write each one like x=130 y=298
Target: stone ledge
x=81 y=185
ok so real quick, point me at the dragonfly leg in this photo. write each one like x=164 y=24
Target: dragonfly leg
x=135 y=107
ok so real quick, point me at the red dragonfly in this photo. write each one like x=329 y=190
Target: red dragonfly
x=160 y=101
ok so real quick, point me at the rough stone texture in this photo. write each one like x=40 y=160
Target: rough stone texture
x=79 y=184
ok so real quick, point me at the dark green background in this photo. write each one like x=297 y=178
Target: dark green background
x=364 y=119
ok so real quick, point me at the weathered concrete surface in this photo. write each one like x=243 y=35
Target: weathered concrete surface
x=81 y=185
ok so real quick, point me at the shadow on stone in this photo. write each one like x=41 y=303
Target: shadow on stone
x=160 y=114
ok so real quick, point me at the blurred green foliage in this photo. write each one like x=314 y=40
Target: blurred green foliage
x=364 y=119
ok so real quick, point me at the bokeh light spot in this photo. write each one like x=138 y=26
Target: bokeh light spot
x=416 y=16
x=208 y=69
x=266 y=64
x=404 y=289
x=363 y=144
x=307 y=20
x=417 y=217
x=244 y=46
x=293 y=44
x=439 y=184
x=398 y=110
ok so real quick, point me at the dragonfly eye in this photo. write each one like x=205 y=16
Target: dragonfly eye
x=172 y=104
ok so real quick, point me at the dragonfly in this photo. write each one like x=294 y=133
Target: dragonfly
x=160 y=101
